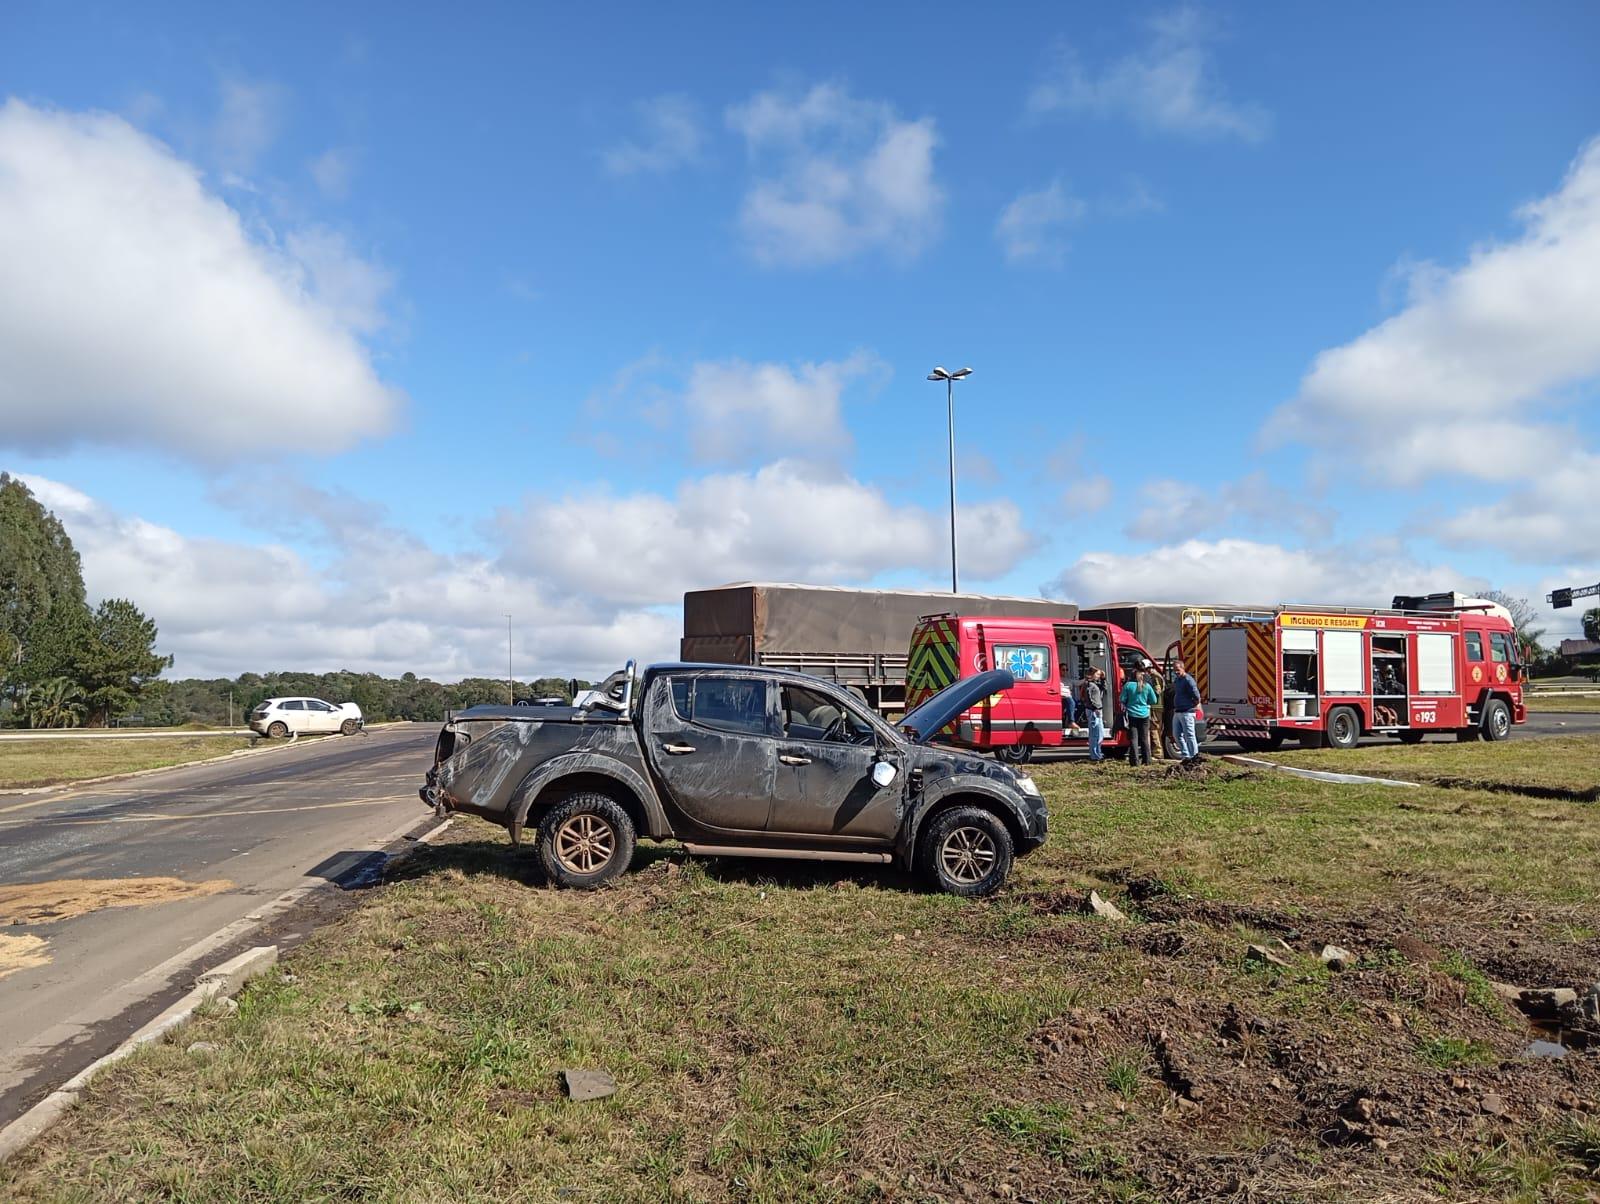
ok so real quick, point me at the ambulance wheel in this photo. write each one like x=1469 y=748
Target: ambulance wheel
x=1411 y=737
x=1344 y=728
x=1496 y=720
x=1014 y=754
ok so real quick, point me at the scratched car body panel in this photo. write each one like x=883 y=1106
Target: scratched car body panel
x=744 y=761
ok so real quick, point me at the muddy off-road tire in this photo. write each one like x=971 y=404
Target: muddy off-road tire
x=1344 y=728
x=277 y=730
x=1496 y=720
x=966 y=851
x=349 y=727
x=585 y=840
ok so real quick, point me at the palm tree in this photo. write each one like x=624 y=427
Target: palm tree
x=1591 y=624
x=54 y=703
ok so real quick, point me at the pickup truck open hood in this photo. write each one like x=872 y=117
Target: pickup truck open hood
x=929 y=719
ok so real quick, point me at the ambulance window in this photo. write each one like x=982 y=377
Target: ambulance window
x=1474 y=645
x=1499 y=647
x=1025 y=662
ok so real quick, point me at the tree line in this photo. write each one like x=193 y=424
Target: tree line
x=62 y=662
x=211 y=701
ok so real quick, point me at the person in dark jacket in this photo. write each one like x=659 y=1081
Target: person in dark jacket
x=1094 y=704
x=1185 y=698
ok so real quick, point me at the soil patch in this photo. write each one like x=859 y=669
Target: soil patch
x=67 y=898
x=21 y=953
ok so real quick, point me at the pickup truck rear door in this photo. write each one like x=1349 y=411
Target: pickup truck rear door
x=710 y=740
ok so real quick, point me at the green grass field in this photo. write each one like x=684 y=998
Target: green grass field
x=1563 y=703
x=28 y=763
x=815 y=1033
x=1570 y=763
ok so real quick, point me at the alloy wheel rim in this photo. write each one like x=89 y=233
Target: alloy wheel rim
x=1502 y=723
x=968 y=854
x=585 y=844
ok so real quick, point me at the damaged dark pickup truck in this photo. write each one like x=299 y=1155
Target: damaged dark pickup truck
x=746 y=762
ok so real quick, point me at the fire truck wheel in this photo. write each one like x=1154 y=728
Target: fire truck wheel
x=1411 y=737
x=1344 y=728
x=1496 y=720
x=1466 y=735
x=1016 y=754
x=1270 y=743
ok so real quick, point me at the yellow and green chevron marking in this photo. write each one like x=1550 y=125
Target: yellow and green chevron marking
x=931 y=664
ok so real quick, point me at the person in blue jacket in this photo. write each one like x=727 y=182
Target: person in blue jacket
x=1185 y=698
x=1138 y=697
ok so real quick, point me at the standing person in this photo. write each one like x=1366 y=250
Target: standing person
x=1161 y=744
x=1185 y=698
x=1094 y=702
x=1138 y=696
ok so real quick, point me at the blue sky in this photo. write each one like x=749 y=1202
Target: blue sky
x=334 y=337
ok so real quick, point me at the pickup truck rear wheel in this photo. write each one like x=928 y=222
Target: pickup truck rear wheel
x=585 y=840
x=966 y=851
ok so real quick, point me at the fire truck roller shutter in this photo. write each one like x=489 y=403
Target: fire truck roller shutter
x=1229 y=663
x=1341 y=663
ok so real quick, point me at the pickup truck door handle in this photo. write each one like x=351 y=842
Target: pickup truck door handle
x=793 y=759
x=677 y=750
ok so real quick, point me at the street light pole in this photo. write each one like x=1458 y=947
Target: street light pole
x=950 y=379
x=511 y=692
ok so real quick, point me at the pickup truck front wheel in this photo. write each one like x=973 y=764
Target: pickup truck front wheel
x=585 y=840
x=966 y=851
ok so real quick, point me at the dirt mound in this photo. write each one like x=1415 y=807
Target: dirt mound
x=22 y=953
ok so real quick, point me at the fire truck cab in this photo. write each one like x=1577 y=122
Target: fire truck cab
x=1049 y=658
x=1326 y=676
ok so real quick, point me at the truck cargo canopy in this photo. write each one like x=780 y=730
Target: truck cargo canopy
x=731 y=622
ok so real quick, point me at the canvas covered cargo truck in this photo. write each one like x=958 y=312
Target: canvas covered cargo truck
x=1158 y=625
x=855 y=637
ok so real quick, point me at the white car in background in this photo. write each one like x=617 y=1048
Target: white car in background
x=278 y=717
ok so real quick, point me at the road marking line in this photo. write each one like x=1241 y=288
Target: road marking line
x=146 y=817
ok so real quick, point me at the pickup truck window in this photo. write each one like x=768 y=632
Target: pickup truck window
x=808 y=715
x=729 y=704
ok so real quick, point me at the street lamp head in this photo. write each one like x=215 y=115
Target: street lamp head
x=938 y=374
x=961 y=374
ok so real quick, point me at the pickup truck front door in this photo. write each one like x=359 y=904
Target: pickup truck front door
x=709 y=739
x=822 y=783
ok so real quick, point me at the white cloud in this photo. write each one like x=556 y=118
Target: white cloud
x=1456 y=381
x=332 y=171
x=1087 y=494
x=385 y=602
x=1251 y=572
x=670 y=136
x=1169 y=85
x=1553 y=518
x=1177 y=510
x=786 y=521
x=591 y=580
x=739 y=410
x=247 y=123
x=837 y=177
x=1032 y=227
x=135 y=309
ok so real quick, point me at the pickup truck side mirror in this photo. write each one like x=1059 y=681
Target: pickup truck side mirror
x=883 y=774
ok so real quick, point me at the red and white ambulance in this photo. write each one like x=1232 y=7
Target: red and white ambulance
x=1330 y=675
x=1048 y=657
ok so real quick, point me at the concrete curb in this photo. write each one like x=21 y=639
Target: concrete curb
x=1316 y=775
x=292 y=742
x=222 y=981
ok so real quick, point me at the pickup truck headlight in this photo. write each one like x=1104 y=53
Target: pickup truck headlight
x=1027 y=785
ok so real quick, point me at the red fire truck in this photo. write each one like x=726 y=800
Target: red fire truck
x=1048 y=657
x=1329 y=675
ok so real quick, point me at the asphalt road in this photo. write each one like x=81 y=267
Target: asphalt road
x=261 y=824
